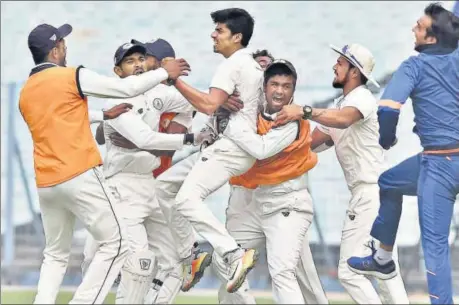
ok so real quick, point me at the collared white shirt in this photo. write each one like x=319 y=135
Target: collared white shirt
x=357 y=147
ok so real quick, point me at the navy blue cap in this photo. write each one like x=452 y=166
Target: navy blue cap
x=158 y=48
x=44 y=37
x=127 y=49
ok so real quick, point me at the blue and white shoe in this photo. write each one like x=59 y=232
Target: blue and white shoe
x=369 y=266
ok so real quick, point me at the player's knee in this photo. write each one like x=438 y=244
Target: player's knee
x=383 y=181
x=57 y=257
x=387 y=183
x=116 y=246
x=284 y=277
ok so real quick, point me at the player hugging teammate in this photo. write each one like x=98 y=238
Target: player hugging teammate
x=143 y=212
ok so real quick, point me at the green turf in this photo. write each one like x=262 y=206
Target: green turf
x=26 y=297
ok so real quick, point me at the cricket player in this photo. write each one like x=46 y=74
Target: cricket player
x=270 y=205
x=53 y=103
x=431 y=80
x=352 y=126
x=182 y=188
x=130 y=179
x=306 y=272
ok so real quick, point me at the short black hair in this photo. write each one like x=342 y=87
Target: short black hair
x=278 y=70
x=39 y=57
x=263 y=52
x=445 y=25
x=237 y=20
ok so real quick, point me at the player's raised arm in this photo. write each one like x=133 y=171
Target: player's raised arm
x=93 y=84
x=354 y=64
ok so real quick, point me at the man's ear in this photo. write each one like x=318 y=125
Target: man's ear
x=355 y=72
x=431 y=39
x=53 y=53
x=237 y=37
x=117 y=71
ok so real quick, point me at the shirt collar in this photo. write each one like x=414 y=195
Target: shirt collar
x=41 y=67
x=339 y=100
x=242 y=51
x=434 y=49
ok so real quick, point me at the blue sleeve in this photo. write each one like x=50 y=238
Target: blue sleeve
x=398 y=90
x=402 y=82
x=388 y=120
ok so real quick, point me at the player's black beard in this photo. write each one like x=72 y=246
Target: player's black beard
x=337 y=85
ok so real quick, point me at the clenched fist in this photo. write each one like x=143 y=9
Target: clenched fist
x=176 y=68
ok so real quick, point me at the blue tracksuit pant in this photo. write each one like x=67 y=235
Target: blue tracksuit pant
x=435 y=180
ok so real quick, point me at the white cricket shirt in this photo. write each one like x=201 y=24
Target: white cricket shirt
x=357 y=147
x=140 y=126
x=241 y=73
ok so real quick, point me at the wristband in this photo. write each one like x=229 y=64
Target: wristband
x=188 y=139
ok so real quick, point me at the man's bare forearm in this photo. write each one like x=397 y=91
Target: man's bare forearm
x=198 y=99
x=330 y=118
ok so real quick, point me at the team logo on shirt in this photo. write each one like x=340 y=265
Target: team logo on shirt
x=158 y=103
x=145 y=263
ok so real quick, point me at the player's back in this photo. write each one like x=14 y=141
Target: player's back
x=56 y=113
x=436 y=100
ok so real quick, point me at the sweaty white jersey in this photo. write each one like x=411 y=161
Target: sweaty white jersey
x=137 y=126
x=241 y=73
x=357 y=147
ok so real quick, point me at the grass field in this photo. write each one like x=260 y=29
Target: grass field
x=26 y=297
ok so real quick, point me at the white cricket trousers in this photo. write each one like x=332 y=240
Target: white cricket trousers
x=362 y=211
x=308 y=278
x=271 y=220
x=147 y=228
x=86 y=198
x=190 y=181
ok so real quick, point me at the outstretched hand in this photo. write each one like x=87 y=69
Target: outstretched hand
x=288 y=113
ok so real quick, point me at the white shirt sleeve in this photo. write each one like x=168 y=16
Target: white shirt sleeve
x=133 y=128
x=97 y=85
x=324 y=129
x=176 y=102
x=224 y=77
x=364 y=101
x=96 y=116
x=185 y=119
x=262 y=147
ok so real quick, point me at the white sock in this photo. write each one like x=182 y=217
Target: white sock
x=382 y=256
